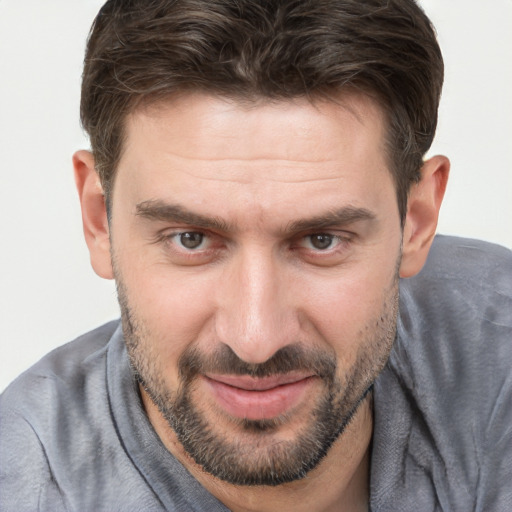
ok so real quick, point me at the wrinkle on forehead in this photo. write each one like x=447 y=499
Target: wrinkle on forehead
x=285 y=171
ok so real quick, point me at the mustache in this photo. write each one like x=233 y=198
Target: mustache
x=287 y=359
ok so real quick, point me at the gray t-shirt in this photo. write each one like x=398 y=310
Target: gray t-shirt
x=74 y=435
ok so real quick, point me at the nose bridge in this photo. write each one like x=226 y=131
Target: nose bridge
x=256 y=318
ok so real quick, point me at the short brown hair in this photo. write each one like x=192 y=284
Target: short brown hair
x=144 y=50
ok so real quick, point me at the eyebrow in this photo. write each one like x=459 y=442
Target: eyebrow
x=340 y=217
x=161 y=211
x=165 y=212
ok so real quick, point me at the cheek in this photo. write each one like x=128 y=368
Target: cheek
x=347 y=311
x=175 y=309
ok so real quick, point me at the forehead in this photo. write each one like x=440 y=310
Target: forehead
x=207 y=126
x=196 y=142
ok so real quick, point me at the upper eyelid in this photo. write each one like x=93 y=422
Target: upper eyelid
x=171 y=232
x=174 y=234
x=335 y=233
x=334 y=236
x=330 y=232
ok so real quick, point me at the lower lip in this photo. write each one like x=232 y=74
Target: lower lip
x=259 y=405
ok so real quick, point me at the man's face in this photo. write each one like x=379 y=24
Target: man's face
x=256 y=251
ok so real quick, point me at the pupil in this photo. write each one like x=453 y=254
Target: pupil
x=191 y=240
x=321 y=241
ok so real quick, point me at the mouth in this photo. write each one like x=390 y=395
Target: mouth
x=251 y=398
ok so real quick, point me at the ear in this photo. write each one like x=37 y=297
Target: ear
x=423 y=206
x=94 y=213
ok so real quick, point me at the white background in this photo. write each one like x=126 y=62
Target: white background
x=49 y=294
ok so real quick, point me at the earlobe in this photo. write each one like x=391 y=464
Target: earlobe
x=424 y=203
x=94 y=213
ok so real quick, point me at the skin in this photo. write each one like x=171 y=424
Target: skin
x=263 y=176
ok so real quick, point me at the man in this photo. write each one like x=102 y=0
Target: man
x=257 y=189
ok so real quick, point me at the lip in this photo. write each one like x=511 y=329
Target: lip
x=252 y=398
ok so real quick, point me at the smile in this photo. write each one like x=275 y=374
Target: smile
x=252 y=398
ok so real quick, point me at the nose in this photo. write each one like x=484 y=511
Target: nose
x=255 y=315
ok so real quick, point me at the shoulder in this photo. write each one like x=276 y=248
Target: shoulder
x=463 y=293
x=447 y=386
x=61 y=371
x=455 y=321
x=41 y=411
x=473 y=265
x=455 y=324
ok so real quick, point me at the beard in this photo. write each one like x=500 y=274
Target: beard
x=252 y=452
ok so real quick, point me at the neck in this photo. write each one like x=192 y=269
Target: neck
x=339 y=483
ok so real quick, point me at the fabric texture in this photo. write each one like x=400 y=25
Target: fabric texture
x=74 y=435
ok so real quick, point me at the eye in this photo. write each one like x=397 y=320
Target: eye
x=191 y=248
x=190 y=239
x=321 y=241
